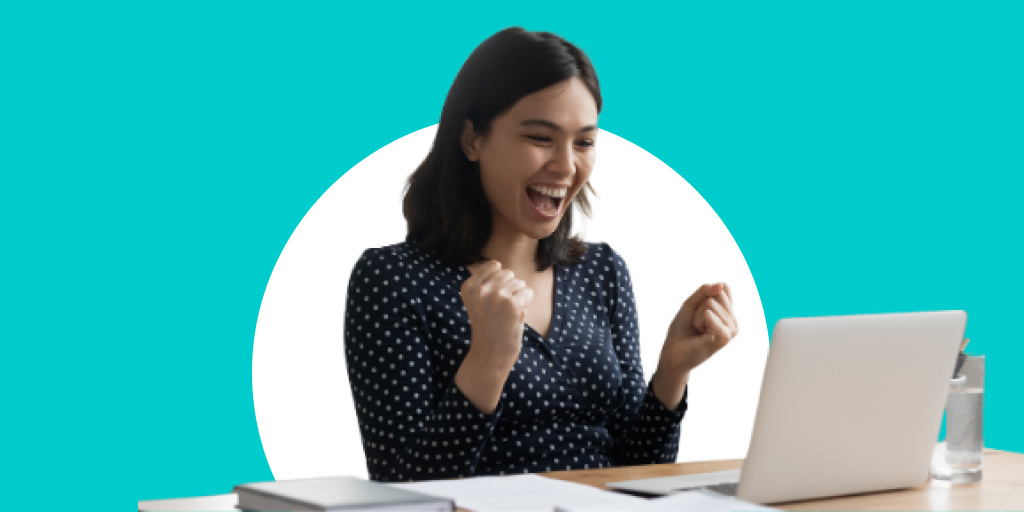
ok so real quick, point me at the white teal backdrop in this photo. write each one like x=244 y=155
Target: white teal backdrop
x=157 y=157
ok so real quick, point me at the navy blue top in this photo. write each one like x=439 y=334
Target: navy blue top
x=574 y=400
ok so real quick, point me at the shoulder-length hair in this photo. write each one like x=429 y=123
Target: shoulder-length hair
x=445 y=207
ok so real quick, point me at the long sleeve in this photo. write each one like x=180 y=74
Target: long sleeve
x=415 y=422
x=643 y=430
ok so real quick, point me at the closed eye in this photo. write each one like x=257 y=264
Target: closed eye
x=583 y=143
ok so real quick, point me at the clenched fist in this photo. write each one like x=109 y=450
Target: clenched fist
x=705 y=323
x=496 y=302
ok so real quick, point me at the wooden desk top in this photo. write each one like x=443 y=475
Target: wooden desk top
x=1001 y=486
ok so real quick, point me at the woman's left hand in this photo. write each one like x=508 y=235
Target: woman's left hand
x=705 y=323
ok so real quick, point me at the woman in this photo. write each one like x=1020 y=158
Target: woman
x=491 y=341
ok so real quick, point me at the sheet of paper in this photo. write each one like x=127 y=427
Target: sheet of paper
x=524 y=493
x=690 y=500
x=703 y=500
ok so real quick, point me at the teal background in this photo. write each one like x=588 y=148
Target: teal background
x=867 y=157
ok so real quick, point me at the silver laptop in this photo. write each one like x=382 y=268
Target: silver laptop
x=849 y=404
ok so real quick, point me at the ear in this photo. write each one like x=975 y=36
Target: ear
x=470 y=141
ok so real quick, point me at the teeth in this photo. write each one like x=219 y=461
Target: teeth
x=550 y=192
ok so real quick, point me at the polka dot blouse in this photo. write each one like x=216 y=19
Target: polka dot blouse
x=573 y=400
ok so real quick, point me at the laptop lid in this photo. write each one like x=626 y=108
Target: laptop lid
x=850 y=404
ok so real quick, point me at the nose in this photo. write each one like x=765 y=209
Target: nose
x=563 y=160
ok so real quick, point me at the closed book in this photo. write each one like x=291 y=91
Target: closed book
x=342 y=493
x=223 y=502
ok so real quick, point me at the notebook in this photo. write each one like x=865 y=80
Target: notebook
x=341 y=493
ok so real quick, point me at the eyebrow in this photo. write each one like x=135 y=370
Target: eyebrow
x=548 y=124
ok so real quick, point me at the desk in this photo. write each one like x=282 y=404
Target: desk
x=1001 y=487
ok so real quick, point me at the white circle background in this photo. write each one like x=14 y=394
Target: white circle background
x=672 y=242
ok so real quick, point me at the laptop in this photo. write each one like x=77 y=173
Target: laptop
x=849 y=404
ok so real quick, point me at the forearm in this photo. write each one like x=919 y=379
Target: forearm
x=425 y=440
x=481 y=379
x=415 y=422
x=650 y=434
x=449 y=441
x=645 y=429
x=668 y=386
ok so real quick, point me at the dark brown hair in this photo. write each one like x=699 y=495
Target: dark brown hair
x=445 y=207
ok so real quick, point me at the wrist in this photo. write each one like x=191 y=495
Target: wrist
x=481 y=379
x=490 y=358
x=672 y=368
x=669 y=386
x=486 y=366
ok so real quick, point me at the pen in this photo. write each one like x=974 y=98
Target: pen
x=960 y=357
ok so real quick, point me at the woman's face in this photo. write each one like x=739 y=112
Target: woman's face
x=537 y=157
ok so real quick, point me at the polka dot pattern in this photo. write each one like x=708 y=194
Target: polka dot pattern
x=575 y=399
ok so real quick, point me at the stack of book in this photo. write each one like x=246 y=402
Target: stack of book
x=341 y=493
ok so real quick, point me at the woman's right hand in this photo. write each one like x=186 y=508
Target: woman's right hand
x=496 y=302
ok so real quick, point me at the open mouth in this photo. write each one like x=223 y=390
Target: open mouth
x=547 y=200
